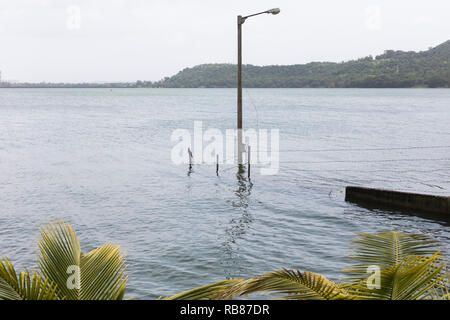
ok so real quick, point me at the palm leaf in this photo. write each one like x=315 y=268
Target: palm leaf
x=411 y=279
x=97 y=275
x=23 y=286
x=386 y=249
x=208 y=292
x=292 y=284
x=442 y=290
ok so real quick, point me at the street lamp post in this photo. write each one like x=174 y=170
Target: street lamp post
x=240 y=22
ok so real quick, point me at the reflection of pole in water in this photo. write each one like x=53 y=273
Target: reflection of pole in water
x=190 y=171
x=244 y=189
x=237 y=226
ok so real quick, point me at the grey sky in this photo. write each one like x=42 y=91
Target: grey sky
x=128 y=40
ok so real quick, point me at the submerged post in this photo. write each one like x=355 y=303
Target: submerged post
x=217 y=165
x=249 y=160
x=190 y=158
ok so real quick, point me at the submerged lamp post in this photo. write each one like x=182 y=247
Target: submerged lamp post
x=240 y=22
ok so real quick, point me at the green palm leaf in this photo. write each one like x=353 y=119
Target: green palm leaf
x=23 y=286
x=292 y=284
x=411 y=279
x=386 y=249
x=404 y=269
x=442 y=290
x=97 y=275
x=209 y=292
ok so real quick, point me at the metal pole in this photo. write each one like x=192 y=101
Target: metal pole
x=240 y=21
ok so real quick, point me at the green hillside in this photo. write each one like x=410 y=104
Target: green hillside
x=393 y=69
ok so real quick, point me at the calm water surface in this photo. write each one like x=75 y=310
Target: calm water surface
x=100 y=159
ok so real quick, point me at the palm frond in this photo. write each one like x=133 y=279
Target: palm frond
x=22 y=286
x=386 y=249
x=442 y=290
x=103 y=274
x=411 y=279
x=291 y=284
x=208 y=292
x=99 y=274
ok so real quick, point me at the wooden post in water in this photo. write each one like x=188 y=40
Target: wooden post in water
x=249 y=160
x=217 y=165
x=190 y=158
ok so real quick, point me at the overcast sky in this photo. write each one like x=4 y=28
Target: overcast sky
x=129 y=40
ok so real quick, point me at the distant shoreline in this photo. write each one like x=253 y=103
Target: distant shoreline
x=393 y=69
x=76 y=87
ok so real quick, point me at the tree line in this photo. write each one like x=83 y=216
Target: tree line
x=392 y=69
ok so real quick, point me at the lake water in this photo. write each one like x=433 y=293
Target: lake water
x=101 y=160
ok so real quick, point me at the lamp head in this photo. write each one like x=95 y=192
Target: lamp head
x=274 y=11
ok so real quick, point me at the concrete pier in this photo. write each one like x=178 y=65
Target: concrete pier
x=398 y=200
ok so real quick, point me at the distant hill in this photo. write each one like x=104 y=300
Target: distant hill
x=393 y=69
